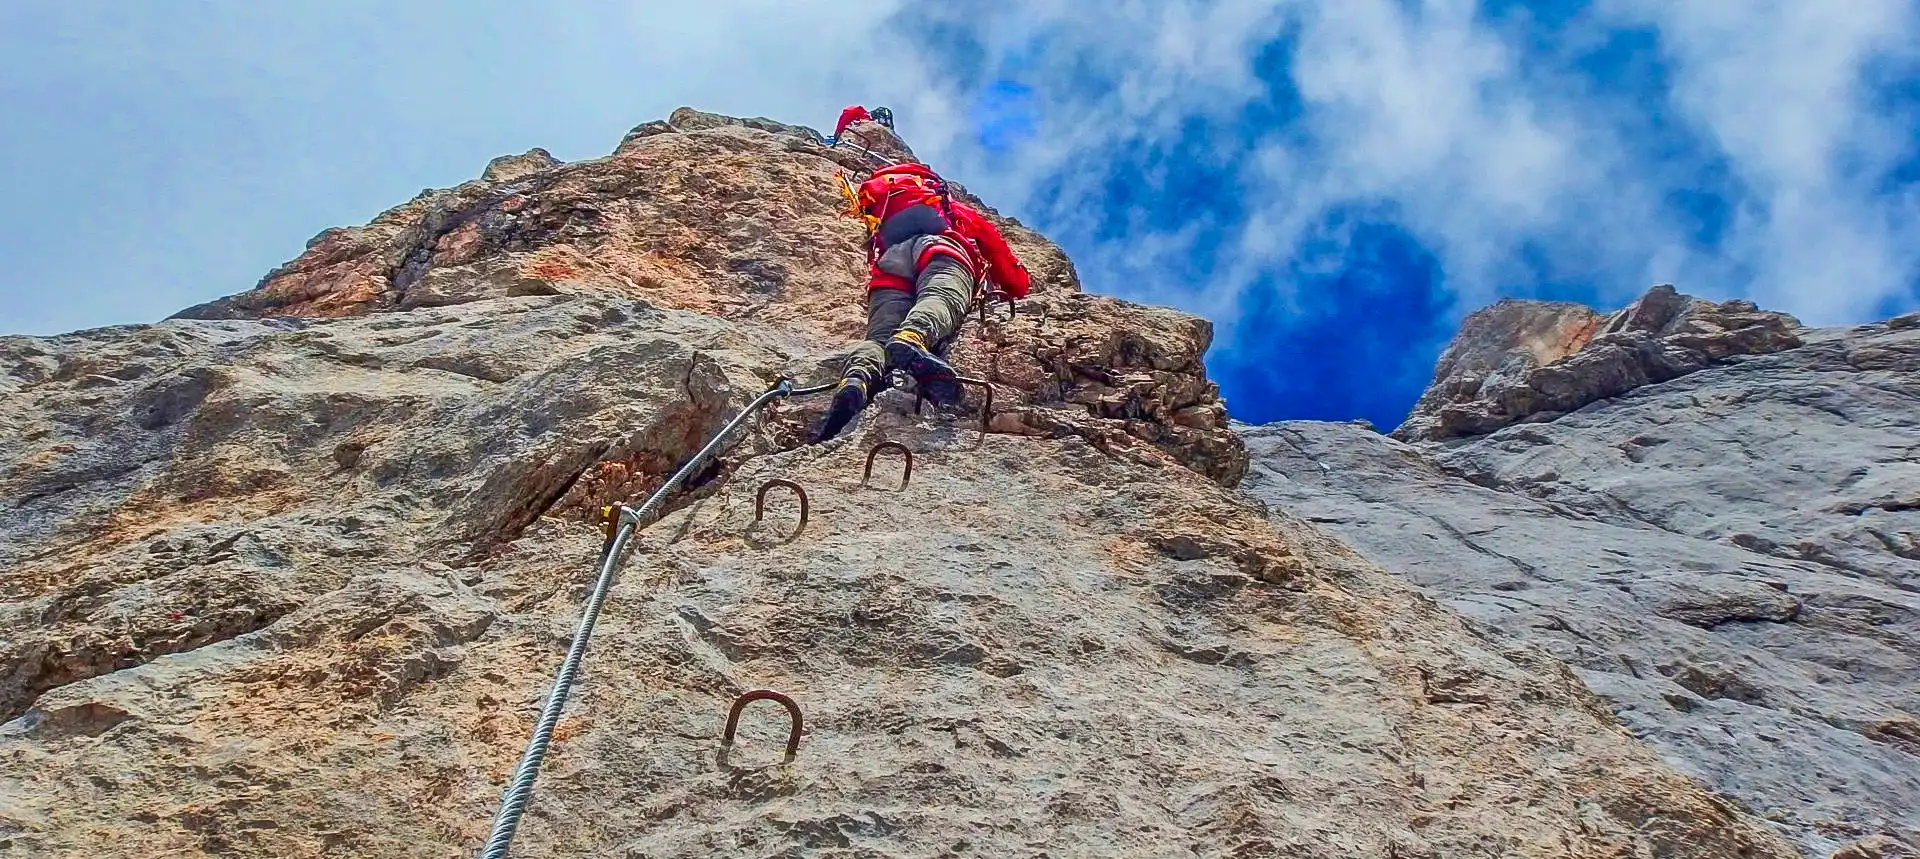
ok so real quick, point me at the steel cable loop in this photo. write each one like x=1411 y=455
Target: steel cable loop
x=519 y=793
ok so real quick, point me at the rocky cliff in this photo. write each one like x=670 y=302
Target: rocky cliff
x=1527 y=361
x=289 y=575
x=1710 y=512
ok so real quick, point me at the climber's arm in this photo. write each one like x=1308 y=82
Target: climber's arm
x=1004 y=268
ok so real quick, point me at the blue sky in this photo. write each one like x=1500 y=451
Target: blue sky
x=1335 y=185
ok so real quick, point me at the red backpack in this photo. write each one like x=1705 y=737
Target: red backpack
x=894 y=188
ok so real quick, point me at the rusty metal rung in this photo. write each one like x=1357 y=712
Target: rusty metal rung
x=1013 y=310
x=740 y=703
x=906 y=477
x=760 y=499
x=986 y=412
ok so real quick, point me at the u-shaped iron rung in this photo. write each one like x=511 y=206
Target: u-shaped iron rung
x=740 y=703
x=760 y=500
x=986 y=412
x=905 y=477
x=1013 y=310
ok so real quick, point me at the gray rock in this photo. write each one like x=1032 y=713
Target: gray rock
x=1528 y=360
x=508 y=168
x=1496 y=348
x=293 y=580
x=1728 y=557
x=306 y=587
x=495 y=278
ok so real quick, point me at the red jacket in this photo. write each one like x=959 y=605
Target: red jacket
x=1003 y=268
x=853 y=113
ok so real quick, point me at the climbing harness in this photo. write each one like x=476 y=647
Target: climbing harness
x=870 y=222
x=621 y=522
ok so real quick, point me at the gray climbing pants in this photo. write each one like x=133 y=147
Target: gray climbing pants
x=938 y=305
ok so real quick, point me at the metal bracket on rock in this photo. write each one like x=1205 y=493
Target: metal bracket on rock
x=611 y=516
x=760 y=499
x=905 y=477
x=1013 y=310
x=740 y=703
x=986 y=412
x=843 y=142
x=623 y=522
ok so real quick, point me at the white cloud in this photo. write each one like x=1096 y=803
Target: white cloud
x=1778 y=86
x=1485 y=147
x=793 y=62
x=1481 y=146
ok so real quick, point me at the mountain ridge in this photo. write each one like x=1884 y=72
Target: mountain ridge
x=288 y=574
x=1708 y=517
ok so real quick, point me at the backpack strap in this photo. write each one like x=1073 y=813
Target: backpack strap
x=860 y=199
x=946 y=197
x=942 y=191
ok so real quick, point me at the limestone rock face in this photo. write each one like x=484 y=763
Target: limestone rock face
x=739 y=219
x=1523 y=361
x=290 y=576
x=1729 y=557
x=507 y=168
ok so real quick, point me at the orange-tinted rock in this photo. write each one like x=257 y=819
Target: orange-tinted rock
x=296 y=587
x=1531 y=360
x=742 y=219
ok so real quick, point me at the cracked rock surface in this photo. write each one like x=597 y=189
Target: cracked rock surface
x=1524 y=361
x=289 y=576
x=1728 y=557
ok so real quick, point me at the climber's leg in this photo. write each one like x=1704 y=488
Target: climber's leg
x=941 y=298
x=866 y=365
x=886 y=310
x=942 y=294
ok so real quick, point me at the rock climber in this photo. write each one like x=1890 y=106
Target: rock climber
x=929 y=258
x=855 y=113
x=852 y=114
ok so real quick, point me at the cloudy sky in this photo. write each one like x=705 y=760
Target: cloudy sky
x=1335 y=184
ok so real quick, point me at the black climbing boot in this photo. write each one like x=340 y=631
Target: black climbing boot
x=934 y=377
x=848 y=400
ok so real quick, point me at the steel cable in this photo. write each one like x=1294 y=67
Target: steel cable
x=519 y=793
